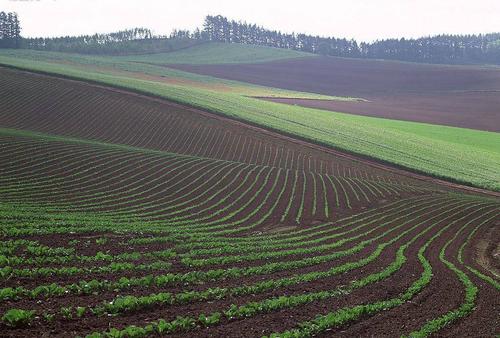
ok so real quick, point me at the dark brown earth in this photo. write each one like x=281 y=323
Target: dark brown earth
x=460 y=96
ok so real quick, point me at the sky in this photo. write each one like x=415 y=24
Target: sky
x=363 y=20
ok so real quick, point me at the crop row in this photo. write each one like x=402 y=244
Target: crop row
x=202 y=276
x=182 y=205
x=330 y=320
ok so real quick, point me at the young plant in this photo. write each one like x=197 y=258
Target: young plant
x=67 y=312
x=17 y=317
x=80 y=311
x=48 y=317
x=101 y=241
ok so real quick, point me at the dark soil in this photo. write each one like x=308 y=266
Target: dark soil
x=461 y=96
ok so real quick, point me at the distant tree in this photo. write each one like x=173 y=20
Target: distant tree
x=3 y=28
x=437 y=49
x=10 y=30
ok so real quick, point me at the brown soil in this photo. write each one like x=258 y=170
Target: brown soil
x=458 y=96
x=488 y=250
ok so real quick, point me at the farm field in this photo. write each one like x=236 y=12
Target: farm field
x=423 y=148
x=124 y=215
x=459 y=96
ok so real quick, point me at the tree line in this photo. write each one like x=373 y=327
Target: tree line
x=460 y=49
x=451 y=49
x=436 y=49
x=111 y=43
x=10 y=30
x=219 y=28
x=130 y=41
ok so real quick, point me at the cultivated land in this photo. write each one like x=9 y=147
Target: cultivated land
x=461 y=155
x=125 y=216
x=460 y=96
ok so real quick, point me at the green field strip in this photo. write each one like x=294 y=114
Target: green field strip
x=115 y=267
x=133 y=68
x=29 y=259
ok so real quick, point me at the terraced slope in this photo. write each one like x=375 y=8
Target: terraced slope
x=124 y=216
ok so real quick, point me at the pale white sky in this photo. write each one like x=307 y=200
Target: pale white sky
x=364 y=20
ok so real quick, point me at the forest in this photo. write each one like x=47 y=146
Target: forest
x=448 y=49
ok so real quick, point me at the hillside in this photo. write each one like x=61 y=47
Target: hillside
x=219 y=53
x=421 y=148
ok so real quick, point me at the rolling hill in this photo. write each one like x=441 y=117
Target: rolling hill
x=423 y=148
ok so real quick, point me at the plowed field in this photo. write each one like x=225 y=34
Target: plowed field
x=459 y=96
